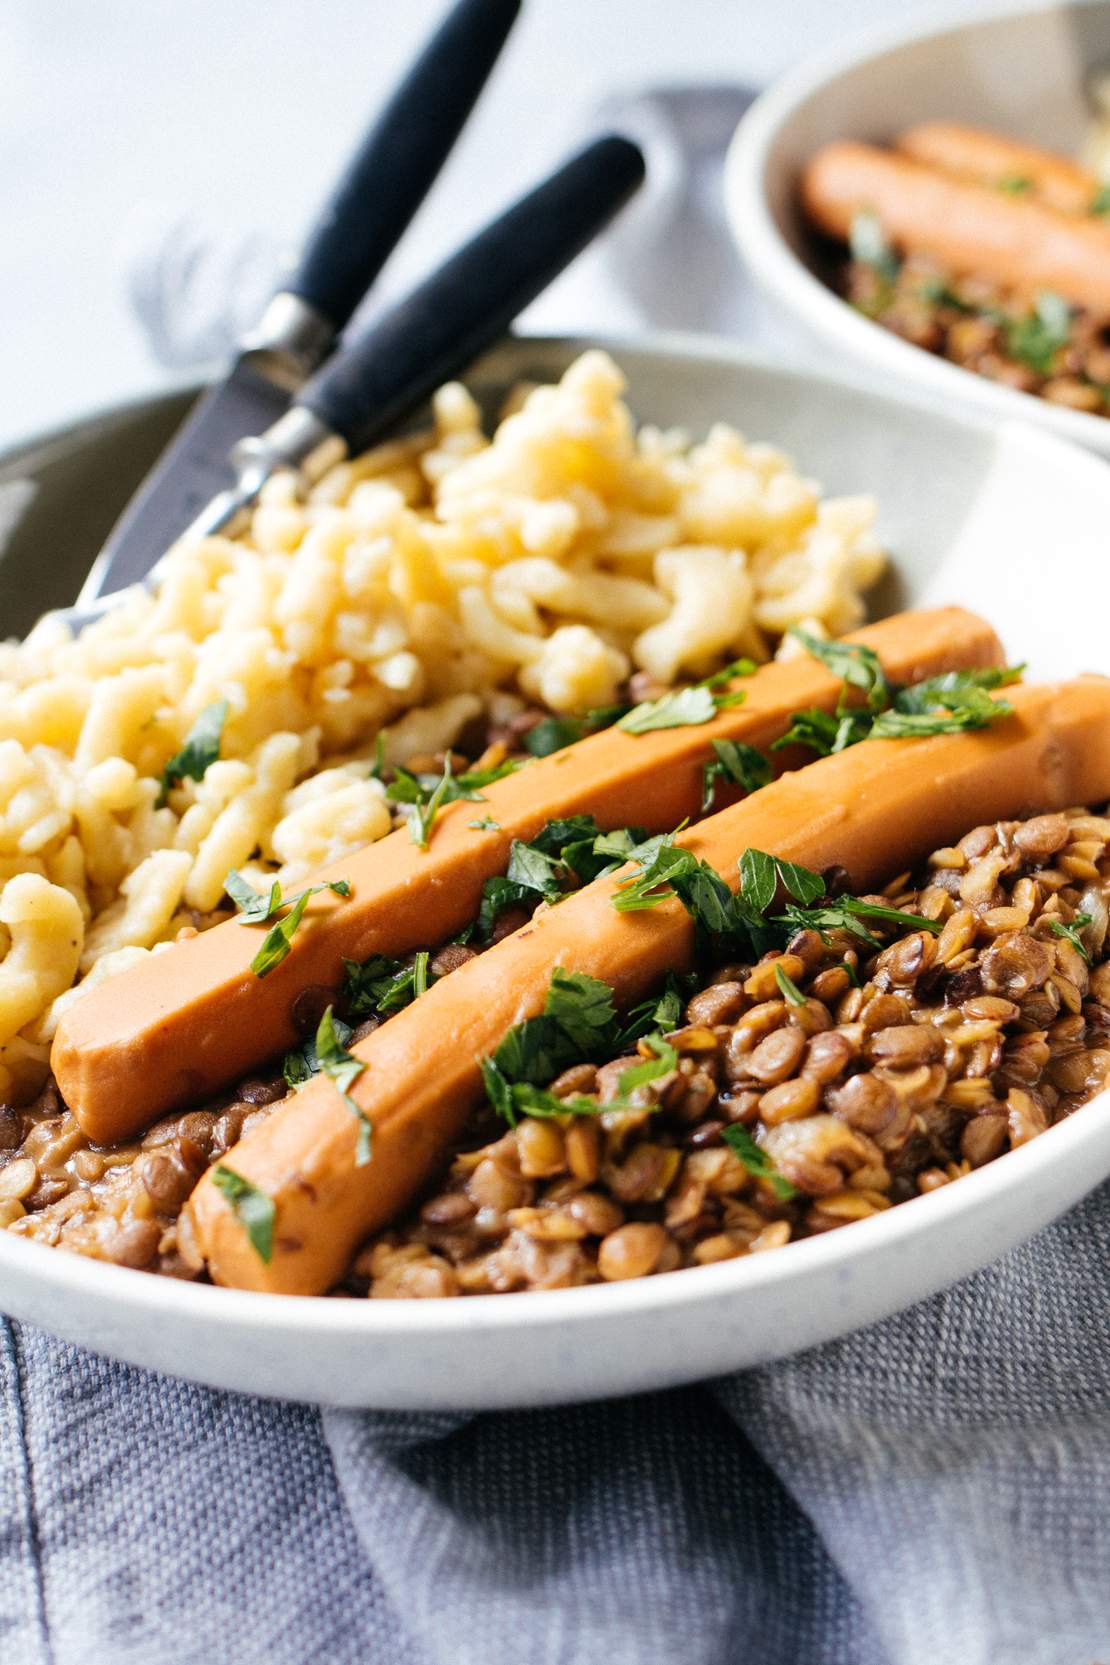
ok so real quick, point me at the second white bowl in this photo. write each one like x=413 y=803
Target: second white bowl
x=1020 y=71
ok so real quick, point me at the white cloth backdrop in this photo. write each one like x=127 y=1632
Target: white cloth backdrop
x=128 y=126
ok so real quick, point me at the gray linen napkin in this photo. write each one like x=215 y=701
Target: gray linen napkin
x=932 y=1491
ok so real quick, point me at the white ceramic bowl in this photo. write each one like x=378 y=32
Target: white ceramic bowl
x=1021 y=71
x=1005 y=519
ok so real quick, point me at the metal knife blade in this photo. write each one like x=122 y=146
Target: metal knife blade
x=195 y=466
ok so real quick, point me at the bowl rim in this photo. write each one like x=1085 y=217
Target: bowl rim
x=892 y=1232
x=785 y=276
x=140 y=1294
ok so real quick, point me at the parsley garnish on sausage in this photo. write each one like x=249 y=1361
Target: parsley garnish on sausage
x=256 y=906
x=421 y=797
x=254 y=1208
x=688 y=707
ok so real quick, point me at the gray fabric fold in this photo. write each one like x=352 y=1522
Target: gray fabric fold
x=934 y=1488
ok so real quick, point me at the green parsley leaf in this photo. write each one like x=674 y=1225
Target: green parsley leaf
x=1070 y=933
x=421 y=797
x=533 y=868
x=302 y=1064
x=1100 y=202
x=681 y=708
x=498 y=894
x=637 y=1075
x=1015 y=184
x=761 y=875
x=255 y=906
x=201 y=748
x=344 y=1069
x=583 y=1008
x=723 y=696
x=1036 y=337
x=486 y=824
x=825 y=732
x=551 y=734
x=663 y=1013
x=949 y=704
x=868 y=244
x=420 y=803
x=788 y=988
x=847 y=914
x=757 y=1162
x=279 y=939
x=578 y=1022
x=856 y=665
x=380 y=985
x=659 y=868
x=254 y=1208
x=736 y=763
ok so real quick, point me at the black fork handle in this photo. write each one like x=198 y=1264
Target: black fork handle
x=397 y=161
x=471 y=300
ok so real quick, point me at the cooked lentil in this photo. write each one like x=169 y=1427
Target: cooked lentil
x=989 y=331
x=951 y=1050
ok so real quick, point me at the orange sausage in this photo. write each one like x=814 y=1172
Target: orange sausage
x=993 y=159
x=875 y=809
x=970 y=229
x=190 y=1021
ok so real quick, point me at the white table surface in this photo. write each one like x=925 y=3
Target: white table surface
x=117 y=117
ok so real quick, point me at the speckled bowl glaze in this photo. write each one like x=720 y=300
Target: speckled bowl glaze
x=1004 y=519
x=1020 y=70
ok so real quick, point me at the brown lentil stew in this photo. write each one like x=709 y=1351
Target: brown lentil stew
x=901 y=1069
x=1061 y=354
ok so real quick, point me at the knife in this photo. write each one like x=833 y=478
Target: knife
x=359 y=227
x=366 y=387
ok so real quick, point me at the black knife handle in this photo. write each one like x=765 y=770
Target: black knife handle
x=400 y=156
x=471 y=300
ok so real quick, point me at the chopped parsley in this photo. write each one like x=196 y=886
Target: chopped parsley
x=564 y=853
x=1070 y=933
x=302 y=1063
x=1100 y=202
x=950 y=704
x=421 y=797
x=552 y=734
x=380 y=985
x=681 y=708
x=201 y=748
x=659 y=1012
x=253 y=1207
x=664 y=1059
x=256 y=906
x=486 y=824
x=858 y=666
x=578 y=1023
x=757 y=1162
x=1015 y=184
x=326 y=1053
x=788 y=988
x=1036 y=337
x=744 y=919
x=868 y=244
x=689 y=707
x=344 y=1069
x=736 y=764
